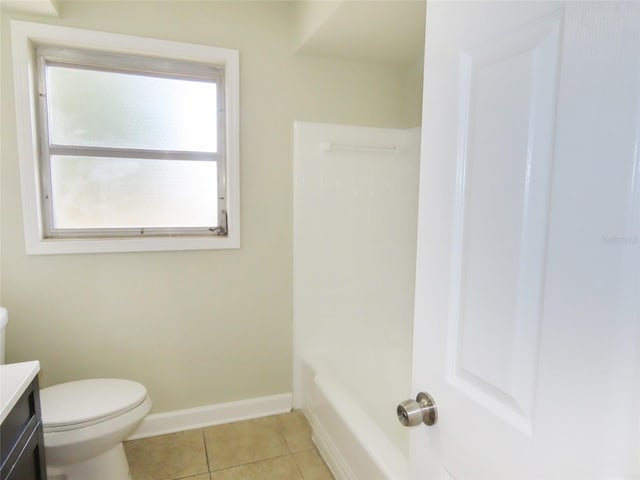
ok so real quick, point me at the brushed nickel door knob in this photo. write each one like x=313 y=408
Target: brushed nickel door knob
x=423 y=409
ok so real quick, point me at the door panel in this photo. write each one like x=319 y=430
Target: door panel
x=526 y=319
x=502 y=179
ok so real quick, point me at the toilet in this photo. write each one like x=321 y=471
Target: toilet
x=85 y=423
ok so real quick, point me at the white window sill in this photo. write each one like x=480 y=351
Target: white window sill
x=66 y=246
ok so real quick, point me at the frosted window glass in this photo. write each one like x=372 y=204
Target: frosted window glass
x=107 y=109
x=93 y=192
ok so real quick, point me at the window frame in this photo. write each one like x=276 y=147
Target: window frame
x=142 y=55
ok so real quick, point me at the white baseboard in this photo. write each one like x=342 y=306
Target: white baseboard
x=209 y=415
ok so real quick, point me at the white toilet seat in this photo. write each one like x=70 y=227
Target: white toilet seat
x=82 y=403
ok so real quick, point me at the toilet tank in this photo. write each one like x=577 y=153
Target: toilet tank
x=4 y=318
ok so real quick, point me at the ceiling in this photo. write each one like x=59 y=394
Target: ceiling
x=47 y=8
x=374 y=31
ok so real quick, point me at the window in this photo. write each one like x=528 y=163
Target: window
x=130 y=144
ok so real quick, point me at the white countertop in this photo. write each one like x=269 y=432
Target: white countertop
x=14 y=380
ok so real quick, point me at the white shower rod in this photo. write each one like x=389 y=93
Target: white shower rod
x=331 y=147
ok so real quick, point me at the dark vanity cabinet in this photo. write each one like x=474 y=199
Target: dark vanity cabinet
x=21 y=439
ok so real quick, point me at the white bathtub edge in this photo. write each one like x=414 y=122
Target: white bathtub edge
x=351 y=443
x=327 y=448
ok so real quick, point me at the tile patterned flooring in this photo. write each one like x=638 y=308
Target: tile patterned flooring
x=270 y=448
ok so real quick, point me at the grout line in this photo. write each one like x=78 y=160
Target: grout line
x=249 y=463
x=192 y=476
x=206 y=454
x=295 y=460
x=252 y=462
x=282 y=431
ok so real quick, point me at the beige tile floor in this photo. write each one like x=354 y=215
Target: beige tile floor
x=270 y=448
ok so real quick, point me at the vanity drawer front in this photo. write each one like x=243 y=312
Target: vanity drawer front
x=19 y=424
x=27 y=462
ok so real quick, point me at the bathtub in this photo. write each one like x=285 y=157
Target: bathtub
x=354 y=446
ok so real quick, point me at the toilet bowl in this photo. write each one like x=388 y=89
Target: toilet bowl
x=85 y=423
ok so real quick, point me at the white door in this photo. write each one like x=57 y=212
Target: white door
x=527 y=300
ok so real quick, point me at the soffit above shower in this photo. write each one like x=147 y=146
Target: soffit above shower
x=386 y=32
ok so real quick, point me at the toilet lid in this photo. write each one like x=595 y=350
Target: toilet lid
x=86 y=402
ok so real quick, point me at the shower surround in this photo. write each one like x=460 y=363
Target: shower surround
x=355 y=213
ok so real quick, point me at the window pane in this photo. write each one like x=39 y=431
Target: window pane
x=107 y=109
x=131 y=193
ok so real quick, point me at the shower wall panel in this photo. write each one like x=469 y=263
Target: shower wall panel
x=355 y=212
